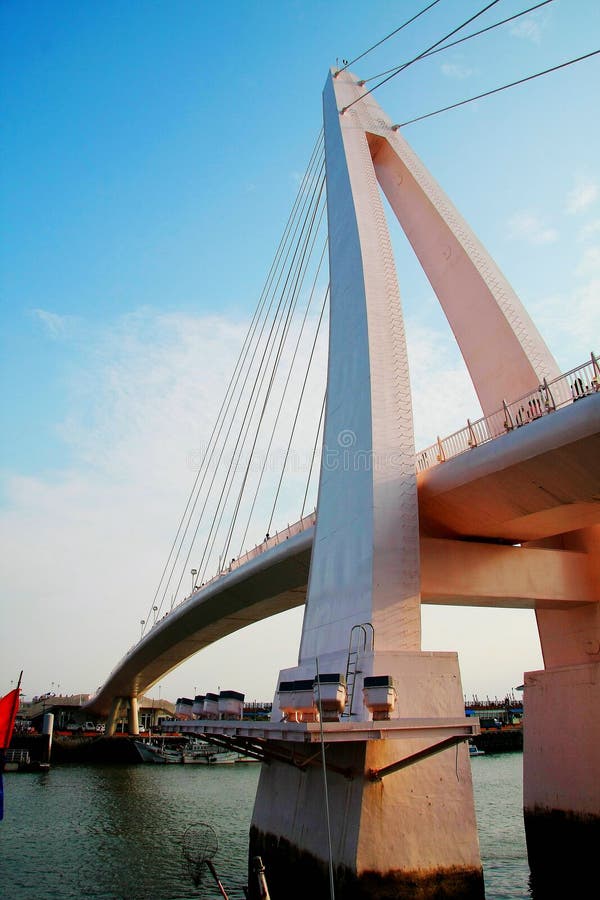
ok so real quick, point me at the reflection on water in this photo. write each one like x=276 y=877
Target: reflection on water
x=115 y=832
x=498 y=786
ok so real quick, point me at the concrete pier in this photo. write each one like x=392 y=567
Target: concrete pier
x=401 y=824
x=377 y=851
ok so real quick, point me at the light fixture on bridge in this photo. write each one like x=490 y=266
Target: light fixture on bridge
x=142 y=623
x=194 y=573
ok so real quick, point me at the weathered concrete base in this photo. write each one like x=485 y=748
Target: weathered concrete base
x=561 y=776
x=284 y=861
x=412 y=834
x=563 y=853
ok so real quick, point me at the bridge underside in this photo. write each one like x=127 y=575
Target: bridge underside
x=468 y=555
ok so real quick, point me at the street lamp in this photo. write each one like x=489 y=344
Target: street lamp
x=155 y=610
x=194 y=573
x=142 y=623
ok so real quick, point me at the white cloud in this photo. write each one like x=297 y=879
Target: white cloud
x=443 y=394
x=55 y=325
x=528 y=226
x=570 y=322
x=456 y=70
x=88 y=544
x=589 y=264
x=583 y=195
x=589 y=231
x=528 y=29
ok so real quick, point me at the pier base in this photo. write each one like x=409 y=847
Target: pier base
x=561 y=777
x=411 y=834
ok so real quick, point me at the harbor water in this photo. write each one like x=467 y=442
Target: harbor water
x=116 y=832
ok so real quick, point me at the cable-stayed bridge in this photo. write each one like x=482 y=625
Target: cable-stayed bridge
x=505 y=512
x=536 y=435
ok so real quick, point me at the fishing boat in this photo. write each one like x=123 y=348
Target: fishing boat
x=202 y=753
x=154 y=753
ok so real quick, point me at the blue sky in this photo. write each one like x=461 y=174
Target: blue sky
x=151 y=154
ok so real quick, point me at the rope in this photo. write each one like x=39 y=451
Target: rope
x=308 y=306
x=234 y=381
x=298 y=408
x=246 y=361
x=317 y=151
x=298 y=284
x=265 y=362
x=313 y=454
x=497 y=90
x=325 y=788
x=388 y=36
x=421 y=55
x=467 y=38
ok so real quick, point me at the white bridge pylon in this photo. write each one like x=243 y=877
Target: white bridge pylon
x=365 y=561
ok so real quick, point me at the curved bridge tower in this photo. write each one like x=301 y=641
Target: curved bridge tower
x=400 y=807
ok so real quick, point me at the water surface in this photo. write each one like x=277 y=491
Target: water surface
x=115 y=832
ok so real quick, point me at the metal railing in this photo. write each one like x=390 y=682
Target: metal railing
x=574 y=385
x=270 y=541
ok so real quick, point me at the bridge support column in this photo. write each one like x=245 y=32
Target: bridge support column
x=412 y=834
x=561 y=764
x=113 y=717
x=561 y=777
x=132 y=718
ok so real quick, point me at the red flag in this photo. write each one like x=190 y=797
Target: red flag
x=9 y=705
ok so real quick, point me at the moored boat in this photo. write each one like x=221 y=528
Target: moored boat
x=153 y=753
x=198 y=752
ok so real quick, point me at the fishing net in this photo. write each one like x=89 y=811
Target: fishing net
x=199 y=845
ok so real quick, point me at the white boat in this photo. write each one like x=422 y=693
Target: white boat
x=475 y=751
x=153 y=753
x=204 y=754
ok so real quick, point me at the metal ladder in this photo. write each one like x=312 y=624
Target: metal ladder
x=360 y=637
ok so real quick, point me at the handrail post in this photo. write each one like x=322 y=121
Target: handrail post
x=596 y=370
x=549 y=400
x=472 y=437
x=508 y=421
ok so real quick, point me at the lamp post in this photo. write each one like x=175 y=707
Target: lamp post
x=142 y=623
x=194 y=573
x=155 y=610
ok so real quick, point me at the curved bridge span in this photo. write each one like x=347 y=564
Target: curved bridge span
x=457 y=530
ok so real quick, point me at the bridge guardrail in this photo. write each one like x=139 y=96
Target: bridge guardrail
x=278 y=538
x=549 y=396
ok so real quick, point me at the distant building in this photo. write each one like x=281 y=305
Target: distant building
x=70 y=714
